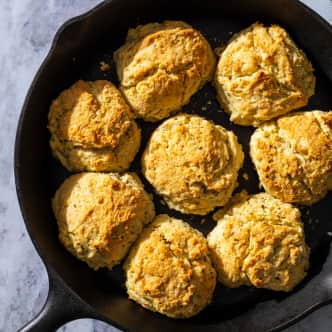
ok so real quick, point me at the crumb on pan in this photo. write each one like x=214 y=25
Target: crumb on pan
x=218 y=50
x=104 y=66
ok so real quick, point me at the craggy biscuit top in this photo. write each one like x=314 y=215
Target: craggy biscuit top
x=262 y=74
x=192 y=163
x=259 y=241
x=293 y=156
x=92 y=117
x=169 y=269
x=161 y=66
x=90 y=114
x=100 y=215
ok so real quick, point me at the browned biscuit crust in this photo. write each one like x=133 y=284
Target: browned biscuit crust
x=161 y=66
x=192 y=163
x=262 y=74
x=259 y=241
x=293 y=156
x=92 y=128
x=169 y=269
x=101 y=215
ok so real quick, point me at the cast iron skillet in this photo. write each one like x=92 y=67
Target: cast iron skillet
x=75 y=291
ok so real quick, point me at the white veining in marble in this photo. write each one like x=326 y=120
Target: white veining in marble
x=26 y=31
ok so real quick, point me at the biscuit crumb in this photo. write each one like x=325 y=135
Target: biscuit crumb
x=128 y=210
x=104 y=66
x=203 y=221
x=204 y=108
x=245 y=176
x=218 y=50
x=169 y=269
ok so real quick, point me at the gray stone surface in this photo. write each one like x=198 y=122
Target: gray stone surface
x=26 y=31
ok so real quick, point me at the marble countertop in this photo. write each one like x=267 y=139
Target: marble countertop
x=26 y=31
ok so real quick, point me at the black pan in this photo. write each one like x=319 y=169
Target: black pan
x=75 y=291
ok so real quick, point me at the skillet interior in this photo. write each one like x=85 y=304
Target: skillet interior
x=80 y=47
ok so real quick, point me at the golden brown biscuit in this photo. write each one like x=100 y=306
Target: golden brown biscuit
x=92 y=128
x=262 y=74
x=293 y=156
x=161 y=66
x=101 y=215
x=169 y=270
x=192 y=163
x=259 y=241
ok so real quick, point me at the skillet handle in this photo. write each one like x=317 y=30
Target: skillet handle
x=62 y=306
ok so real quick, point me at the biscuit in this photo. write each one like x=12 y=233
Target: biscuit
x=259 y=241
x=100 y=216
x=293 y=156
x=169 y=270
x=262 y=74
x=192 y=163
x=161 y=66
x=92 y=128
